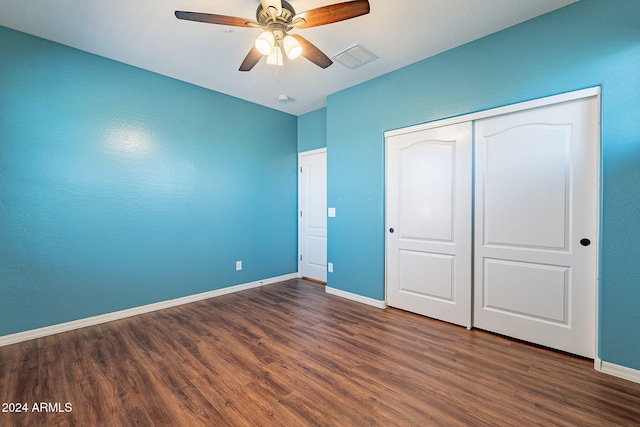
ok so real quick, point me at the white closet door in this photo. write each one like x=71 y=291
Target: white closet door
x=536 y=212
x=312 y=224
x=428 y=238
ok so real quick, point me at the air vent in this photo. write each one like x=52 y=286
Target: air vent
x=354 y=56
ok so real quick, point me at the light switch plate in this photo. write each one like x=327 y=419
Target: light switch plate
x=238 y=265
x=332 y=212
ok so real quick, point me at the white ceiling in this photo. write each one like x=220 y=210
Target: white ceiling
x=146 y=34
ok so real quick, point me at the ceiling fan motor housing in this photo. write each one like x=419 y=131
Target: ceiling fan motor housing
x=282 y=22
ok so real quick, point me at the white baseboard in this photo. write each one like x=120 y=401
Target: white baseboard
x=356 y=297
x=108 y=317
x=617 y=370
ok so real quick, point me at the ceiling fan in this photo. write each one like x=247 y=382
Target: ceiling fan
x=277 y=18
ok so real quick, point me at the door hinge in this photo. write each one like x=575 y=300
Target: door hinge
x=300 y=257
x=300 y=214
x=300 y=169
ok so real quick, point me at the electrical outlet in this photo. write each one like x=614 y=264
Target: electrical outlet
x=238 y=265
x=330 y=267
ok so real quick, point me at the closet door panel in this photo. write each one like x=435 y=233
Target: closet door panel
x=536 y=181
x=428 y=239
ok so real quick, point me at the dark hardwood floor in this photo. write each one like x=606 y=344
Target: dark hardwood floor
x=290 y=354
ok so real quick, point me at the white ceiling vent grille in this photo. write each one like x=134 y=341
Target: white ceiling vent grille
x=354 y=56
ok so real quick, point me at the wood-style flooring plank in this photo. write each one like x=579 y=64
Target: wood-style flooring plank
x=289 y=354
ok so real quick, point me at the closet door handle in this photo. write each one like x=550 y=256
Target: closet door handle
x=585 y=242
x=391 y=230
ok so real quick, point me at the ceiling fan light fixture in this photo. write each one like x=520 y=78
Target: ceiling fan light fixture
x=275 y=57
x=264 y=42
x=292 y=47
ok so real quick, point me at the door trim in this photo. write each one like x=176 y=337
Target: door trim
x=498 y=111
x=526 y=105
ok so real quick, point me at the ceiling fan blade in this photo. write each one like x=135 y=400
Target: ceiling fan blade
x=211 y=18
x=251 y=59
x=312 y=53
x=332 y=13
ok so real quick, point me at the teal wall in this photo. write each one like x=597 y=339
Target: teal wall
x=590 y=43
x=120 y=187
x=312 y=130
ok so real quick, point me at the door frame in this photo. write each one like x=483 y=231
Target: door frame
x=301 y=155
x=526 y=105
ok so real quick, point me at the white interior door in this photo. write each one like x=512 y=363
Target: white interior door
x=428 y=237
x=536 y=213
x=312 y=219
